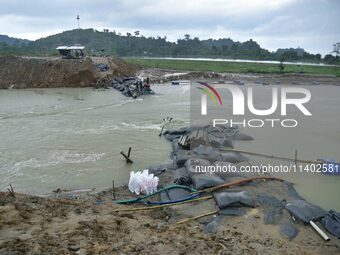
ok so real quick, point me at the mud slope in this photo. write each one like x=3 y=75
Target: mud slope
x=17 y=72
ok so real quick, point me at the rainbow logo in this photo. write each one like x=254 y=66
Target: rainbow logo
x=211 y=92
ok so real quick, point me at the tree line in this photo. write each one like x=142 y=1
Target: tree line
x=135 y=44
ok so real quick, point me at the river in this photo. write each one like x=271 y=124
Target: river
x=243 y=61
x=71 y=138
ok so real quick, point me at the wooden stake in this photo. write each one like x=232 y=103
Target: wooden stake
x=113 y=190
x=160 y=134
x=296 y=160
x=11 y=191
x=128 y=160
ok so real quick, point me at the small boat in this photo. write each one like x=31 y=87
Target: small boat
x=330 y=166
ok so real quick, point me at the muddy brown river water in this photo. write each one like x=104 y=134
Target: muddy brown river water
x=72 y=138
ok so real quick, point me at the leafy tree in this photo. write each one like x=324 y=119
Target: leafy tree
x=330 y=59
x=336 y=49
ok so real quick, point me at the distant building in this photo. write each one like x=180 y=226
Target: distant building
x=71 y=52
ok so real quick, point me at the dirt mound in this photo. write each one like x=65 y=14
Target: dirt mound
x=17 y=72
x=120 y=68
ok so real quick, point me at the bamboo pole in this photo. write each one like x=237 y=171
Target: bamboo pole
x=238 y=182
x=274 y=157
x=196 y=217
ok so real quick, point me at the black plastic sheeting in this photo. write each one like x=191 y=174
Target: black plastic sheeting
x=304 y=211
x=331 y=223
x=241 y=198
x=272 y=208
x=202 y=181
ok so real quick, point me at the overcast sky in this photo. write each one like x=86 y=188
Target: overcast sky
x=310 y=24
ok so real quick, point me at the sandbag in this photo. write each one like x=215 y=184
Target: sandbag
x=211 y=227
x=288 y=231
x=195 y=165
x=232 y=212
x=209 y=136
x=233 y=157
x=231 y=132
x=197 y=137
x=171 y=137
x=304 y=211
x=226 y=169
x=219 y=140
x=208 y=152
x=331 y=223
x=202 y=181
x=180 y=131
x=220 y=137
x=242 y=137
x=183 y=156
x=157 y=170
x=226 y=198
x=213 y=154
x=272 y=208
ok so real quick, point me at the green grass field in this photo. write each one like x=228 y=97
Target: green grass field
x=232 y=67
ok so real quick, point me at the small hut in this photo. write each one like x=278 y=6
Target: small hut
x=71 y=52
